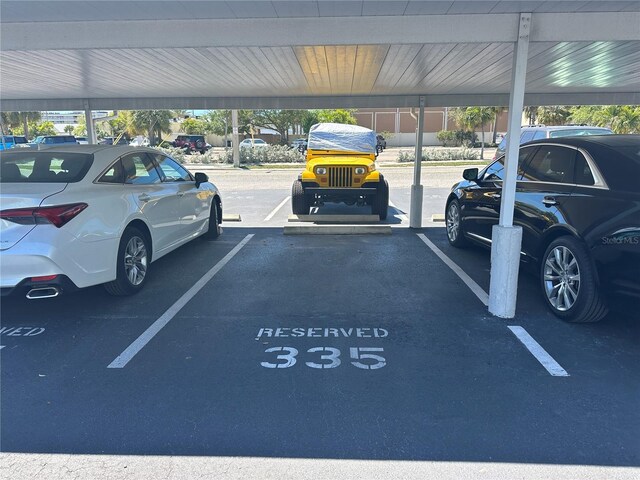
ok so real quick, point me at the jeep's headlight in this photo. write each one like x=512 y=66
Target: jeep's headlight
x=321 y=170
x=360 y=170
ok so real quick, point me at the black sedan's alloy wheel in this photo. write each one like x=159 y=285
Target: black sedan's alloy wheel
x=569 y=283
x=454 y=224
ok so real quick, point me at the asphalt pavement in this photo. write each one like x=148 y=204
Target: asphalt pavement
x=261 y=355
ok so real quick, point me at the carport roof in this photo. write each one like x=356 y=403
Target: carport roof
x=59 y=55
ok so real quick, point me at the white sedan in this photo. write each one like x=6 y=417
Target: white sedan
x=76 y=216
x=253 y=143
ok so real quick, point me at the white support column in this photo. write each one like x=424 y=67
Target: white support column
x=88 y=118
x=235 y=138
x=507 y=239
x=415 y=214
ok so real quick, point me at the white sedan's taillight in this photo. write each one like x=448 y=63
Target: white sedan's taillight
x=58 y=215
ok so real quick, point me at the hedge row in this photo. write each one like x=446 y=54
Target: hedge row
x=250 y=156
x=431 y=154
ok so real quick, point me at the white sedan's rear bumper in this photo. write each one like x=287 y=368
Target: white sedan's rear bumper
x=48 y=250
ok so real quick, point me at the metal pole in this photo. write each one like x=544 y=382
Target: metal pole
x=88 y=118
x=236 y=138
x=415 y=215
x=507 y=239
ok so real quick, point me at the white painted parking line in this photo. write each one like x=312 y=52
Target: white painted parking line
x=540 y=353
x=475 y=288
x=275 y=210
x=126 y=356
x=400 y=215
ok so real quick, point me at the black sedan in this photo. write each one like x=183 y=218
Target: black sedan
x=578 y=203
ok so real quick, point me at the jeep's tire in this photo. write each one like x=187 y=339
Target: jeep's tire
x=569 y=284
x=132 y=263
x=299 y=202
x=380 y=204
x=215 y=229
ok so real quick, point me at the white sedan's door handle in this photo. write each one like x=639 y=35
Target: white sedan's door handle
x=144 y=197
x=181 y=194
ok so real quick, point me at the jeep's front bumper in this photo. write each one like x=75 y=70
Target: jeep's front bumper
x=312 y=188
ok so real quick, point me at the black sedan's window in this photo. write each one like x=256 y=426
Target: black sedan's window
x=551 y=164
x=495 y=171
x=583 y=174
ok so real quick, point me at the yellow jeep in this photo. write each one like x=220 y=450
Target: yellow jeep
x=340 y=168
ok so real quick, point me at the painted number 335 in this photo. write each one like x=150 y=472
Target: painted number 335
x=329 y=356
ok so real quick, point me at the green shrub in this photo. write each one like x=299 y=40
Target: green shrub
x=437 y=153
x=466 y=138
x=447 y=138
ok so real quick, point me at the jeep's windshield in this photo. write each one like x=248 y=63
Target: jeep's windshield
x=339 y=137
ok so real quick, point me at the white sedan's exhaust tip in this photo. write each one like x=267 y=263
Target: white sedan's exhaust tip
x=44 y=292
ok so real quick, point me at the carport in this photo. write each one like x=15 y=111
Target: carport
x=321 y=54
x=96 y=55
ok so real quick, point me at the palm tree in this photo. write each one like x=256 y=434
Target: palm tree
x=473 y=117
x=555 y=115
x=497 y=111
x=155 y=122
x=17 y=119
x=531 y=112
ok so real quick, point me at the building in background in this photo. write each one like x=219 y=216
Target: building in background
x=401 y=123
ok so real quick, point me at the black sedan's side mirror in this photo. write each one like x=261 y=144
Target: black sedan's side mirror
x=202 y=177
x=470 y=174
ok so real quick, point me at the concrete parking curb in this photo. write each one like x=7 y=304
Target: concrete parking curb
x=337 y=229
x=349 y=219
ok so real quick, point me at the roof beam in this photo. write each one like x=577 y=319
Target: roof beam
x=273 y=32
x=369 y=101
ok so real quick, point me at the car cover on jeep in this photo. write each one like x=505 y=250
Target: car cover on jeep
x=337 y=136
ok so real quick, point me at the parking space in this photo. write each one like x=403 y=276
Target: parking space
x=345 y=347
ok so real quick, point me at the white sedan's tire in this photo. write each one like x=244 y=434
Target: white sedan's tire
x=132 y=263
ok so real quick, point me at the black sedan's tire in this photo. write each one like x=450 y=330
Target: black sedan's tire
x=453 y=222
x=299 y=201
x=569 y=283
x=215 y=229
x=380 y=204
x=132 y=263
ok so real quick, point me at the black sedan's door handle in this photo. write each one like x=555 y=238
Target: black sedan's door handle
x=549 y=201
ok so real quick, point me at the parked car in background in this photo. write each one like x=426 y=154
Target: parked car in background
x=578 y=203
x=82 y=140
x=12 y=141
x=253 y=143
x=53 y=140
x=537 y=132
x=76 y=216
x=139 y=141
x=192 y=143
x=114 y=141
x=300 y=144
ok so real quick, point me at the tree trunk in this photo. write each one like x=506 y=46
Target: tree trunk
x=482 y=143
x=25 y=126
x=495 y=127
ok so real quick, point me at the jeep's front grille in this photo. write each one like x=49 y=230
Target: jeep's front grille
x=340 y=176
